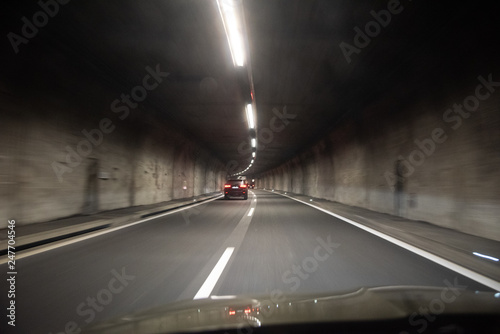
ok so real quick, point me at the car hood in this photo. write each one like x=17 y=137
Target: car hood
x=365 y=304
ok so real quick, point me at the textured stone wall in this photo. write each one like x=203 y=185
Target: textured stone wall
x=56 y=160
x=448 y=148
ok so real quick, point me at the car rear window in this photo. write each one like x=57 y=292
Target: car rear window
x=233 y=182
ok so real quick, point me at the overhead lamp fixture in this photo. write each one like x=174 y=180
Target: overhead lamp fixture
x=251 y=161
x=250 y=118
x=254 y=144
x=230 y=15
x=253 y=154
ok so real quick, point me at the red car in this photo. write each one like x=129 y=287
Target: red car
x=236 y=188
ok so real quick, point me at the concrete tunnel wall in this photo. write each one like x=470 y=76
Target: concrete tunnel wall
x=451 y=178
x=143 y=160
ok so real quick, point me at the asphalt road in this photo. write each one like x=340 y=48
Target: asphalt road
x=280 y=245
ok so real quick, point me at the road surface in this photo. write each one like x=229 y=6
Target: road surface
x=264 y=245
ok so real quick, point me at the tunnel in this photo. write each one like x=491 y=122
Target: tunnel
x=125 y=122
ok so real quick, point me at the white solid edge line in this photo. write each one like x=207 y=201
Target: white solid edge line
x=495 y=285
x=208 y=286
x=250 y=212
x=49 y=247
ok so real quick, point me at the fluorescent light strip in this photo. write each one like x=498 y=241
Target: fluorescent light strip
x=233 y=29
x=485 y=256
x=250 y=118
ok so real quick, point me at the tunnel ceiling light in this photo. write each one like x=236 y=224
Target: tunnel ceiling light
x=253 y=154
x=251 y=162
x=229 y=13
x=254 y=143
x=250 y=118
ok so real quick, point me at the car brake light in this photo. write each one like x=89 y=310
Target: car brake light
x=243 y=185
x=232 y=312
x=227 y=186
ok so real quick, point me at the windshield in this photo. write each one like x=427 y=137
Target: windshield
x=255 y=162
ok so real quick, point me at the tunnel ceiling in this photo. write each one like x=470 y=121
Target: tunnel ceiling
x=297 y=65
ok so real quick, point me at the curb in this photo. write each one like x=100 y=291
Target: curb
x=450 y=253
x=41 y=238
